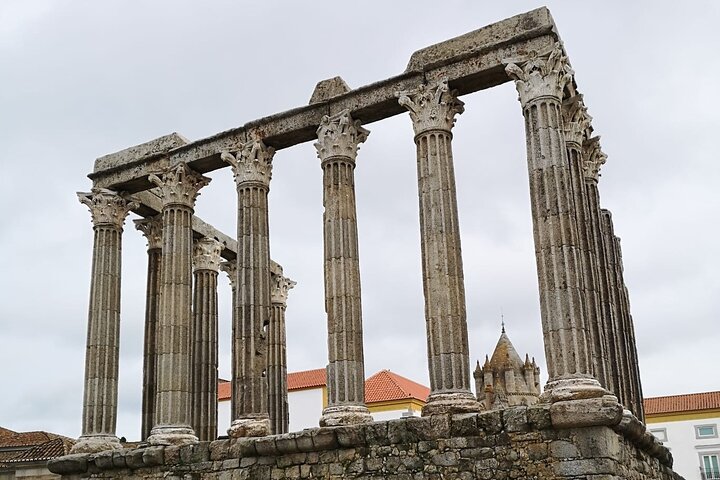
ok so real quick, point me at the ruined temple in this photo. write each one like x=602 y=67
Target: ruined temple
x=588 y=422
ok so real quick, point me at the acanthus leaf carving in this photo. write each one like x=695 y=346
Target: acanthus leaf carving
x=281 y=285
x=252 y=163
x=540 y=74
x=206 y=254
x=576 y=121
x=593 y=158
x=340 y=136
x=151 y=228
x=230 y=268
x=108 y=208
x=431 y=107
x=179 y=185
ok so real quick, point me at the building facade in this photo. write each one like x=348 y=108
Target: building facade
x=688 y=426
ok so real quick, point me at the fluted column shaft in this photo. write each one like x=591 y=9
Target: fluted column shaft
x=277 y=353
x=99 y=420
x=205 y=339
x=576 y=123
x=152 y=229
x=178 y=188
x=252 y=167
x=432 y=110
x=540 y=81
x=338 y=139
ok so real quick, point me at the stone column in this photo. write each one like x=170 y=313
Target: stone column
x=178 y=188
x=338 y=139
x=432 y=110
x=593 y=159
x=152 y=229
x=108 y=210
x=206 y=263
x=576 y=123
x=252 y=169
x=540 y=80
x=277 y=353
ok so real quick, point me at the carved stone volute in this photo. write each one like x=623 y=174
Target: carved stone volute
x=179 y=185
x=540 y=74
x=340 y=136
x=108 y=208
x=151 y=227
x=252 y=164
x=593 y=159
x=206 y=254
x=431 y=107
x=576 y=121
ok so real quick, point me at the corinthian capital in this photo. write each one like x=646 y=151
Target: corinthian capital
x=230 y=267
x=252 y=164
x=280 y=287
x=151 y=227
x=431 y=107
x=107 y=208
x=340 y=136
x=206 y=255
x=593 y=158
x=576 y=120
x=540 y=74
x=179 y=185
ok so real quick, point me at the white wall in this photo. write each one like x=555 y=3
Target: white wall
x=393 y=414
x=223 y=417
x=305 y=407
x=685 y=447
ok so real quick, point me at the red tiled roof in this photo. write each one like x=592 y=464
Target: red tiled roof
x=307 y=379
x=45 y=451
x=381 y=387
x=682 y=403
x=386 y=386
x=8 y=438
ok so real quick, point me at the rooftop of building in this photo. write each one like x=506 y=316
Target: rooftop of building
x=384 y=386
x=17 y=447
x=690 y=402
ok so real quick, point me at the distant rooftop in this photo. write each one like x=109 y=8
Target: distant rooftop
x=690 y=402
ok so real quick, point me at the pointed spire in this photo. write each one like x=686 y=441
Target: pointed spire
x=487 y=362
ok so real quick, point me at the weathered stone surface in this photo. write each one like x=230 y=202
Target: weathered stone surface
x=586 y=412
x=138 y=152
x=69 y=464
x=327 y=89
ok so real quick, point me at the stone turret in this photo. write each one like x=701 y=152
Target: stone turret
x=504 y=379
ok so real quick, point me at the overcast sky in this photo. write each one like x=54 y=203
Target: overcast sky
x=81 y=79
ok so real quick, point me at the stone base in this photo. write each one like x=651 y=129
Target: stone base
x=339 y=415
x=96 y=443
x=451 y=403
x=172 y=435
x=251 y=426
x=572 y=388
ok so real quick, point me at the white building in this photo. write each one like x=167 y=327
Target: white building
x=387 y=396
x=688 y=425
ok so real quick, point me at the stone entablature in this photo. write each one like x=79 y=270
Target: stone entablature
x=595 y=441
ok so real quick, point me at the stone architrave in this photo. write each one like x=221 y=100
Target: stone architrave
x=152 y=229
x=109 y=210
x=339 y=137
x=178 y=188
x=432 y=110
x=252 y=170
x=540 y=80
x=277 y=352
x=576 y=124
x=206 y=263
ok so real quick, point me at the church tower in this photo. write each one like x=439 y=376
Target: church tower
x=504 y=379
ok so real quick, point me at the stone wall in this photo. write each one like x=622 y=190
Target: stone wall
x=515 y=443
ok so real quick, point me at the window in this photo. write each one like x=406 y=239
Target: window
x=706 y=431
x=660 y=434
x=710 y=468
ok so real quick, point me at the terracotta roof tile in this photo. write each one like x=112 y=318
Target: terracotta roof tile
x=53 y=448
x=383 y=386
x=682 y=403
x=8 y=438
x=307 y=379
x=386 y=386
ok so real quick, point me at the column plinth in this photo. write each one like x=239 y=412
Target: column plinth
x=252 y=170
x=277 y=352
x=206 y=263
x=108 y=210
x=152 y=229
x=433 y=110
x=178 y=188
x=540 y=80
x=339 y=137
